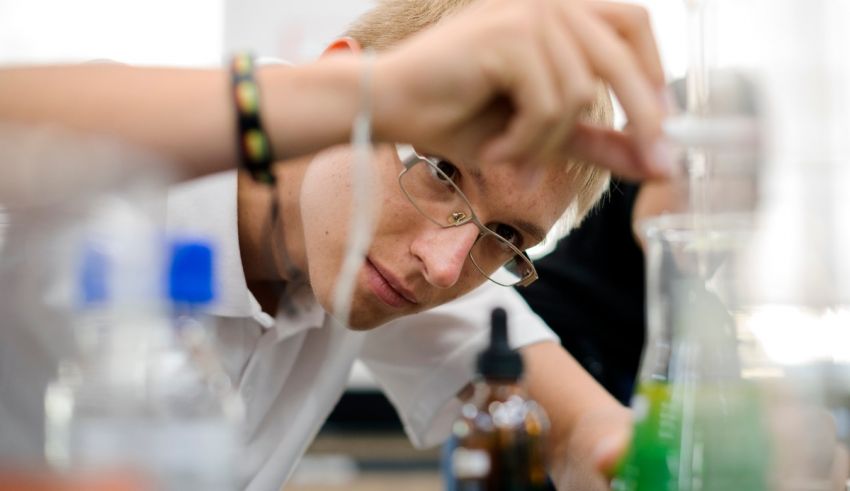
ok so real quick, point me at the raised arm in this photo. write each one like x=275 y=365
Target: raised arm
x=502 y=81
x=186 y=115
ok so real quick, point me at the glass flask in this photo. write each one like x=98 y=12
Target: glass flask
x=699 y=421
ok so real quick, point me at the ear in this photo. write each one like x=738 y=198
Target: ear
x=343 y=45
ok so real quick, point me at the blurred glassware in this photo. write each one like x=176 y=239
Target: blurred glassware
x=798 y=281
x=145 y=391
x=52 y=181
x=698 y=422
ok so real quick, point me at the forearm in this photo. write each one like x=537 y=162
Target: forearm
x=186 y=115
x=566 y=391
x=181 y=114
x=589 y=427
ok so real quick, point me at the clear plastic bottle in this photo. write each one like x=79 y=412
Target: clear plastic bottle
x=195 y=408
x=137 y=398
x=502 y=433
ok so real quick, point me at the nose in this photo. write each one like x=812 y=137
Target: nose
x=443 y=252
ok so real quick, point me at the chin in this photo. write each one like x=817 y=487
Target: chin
x=365 y=319
x=362 y=325
x=362 y=317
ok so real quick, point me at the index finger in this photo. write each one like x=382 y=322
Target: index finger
x=616 y=151
x=633 y=24
x=614 y=61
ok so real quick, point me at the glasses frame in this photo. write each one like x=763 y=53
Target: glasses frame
x=415 y=158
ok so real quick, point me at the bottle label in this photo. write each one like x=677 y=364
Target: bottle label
x=470 y=463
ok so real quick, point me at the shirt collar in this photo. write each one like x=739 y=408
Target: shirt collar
x=207 y=208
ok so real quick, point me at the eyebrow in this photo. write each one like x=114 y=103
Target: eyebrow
x=536 y=232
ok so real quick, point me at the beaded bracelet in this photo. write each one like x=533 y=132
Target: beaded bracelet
x=255 y=149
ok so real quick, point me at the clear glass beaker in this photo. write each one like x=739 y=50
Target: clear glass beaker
x=698 y=420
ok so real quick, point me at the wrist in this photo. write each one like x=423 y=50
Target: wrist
x=392 y=120
x=310 y=107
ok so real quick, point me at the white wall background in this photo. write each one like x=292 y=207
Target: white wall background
x=149 y=32
x=297 y=31
x=202 y=32
x=168 y=32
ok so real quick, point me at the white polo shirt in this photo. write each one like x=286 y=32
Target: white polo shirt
x=291 y=370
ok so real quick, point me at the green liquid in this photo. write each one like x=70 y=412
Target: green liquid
x=710 y=438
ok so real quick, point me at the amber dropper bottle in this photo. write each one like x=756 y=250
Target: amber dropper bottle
x=501 y=433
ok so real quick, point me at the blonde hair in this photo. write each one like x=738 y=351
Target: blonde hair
x=391 y=21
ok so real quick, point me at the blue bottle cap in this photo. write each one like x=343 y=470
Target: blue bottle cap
x=93 y=277
x=190 y=273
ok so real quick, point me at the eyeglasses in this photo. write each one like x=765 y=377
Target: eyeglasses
x=429 y=185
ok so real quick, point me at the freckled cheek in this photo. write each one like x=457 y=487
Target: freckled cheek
x=322 y=252
x=325 y=228
x=395 y=220
x=470 y=279
x=398 y=218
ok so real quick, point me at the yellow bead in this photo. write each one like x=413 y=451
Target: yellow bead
x=256 y=145
x=246 y=94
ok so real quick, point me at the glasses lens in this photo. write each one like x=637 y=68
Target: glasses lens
x=432 y=192
x=498 y=261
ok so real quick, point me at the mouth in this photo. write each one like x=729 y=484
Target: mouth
x=387 y=287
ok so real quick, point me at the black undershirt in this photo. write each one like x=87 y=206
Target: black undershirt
x=591 y=292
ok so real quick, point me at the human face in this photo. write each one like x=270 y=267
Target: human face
x=413 y=264
x=428 y=183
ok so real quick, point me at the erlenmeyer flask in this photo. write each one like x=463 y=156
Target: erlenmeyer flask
x=698 y=421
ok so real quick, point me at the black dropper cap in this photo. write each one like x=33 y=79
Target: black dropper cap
x=499 y=361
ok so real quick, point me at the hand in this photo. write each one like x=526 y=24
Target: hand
x=506 y=81
x=587 y=461
x=807 y=452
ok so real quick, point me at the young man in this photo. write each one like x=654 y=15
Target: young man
x=290 y=359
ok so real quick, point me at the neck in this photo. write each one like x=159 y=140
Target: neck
x=268 y=250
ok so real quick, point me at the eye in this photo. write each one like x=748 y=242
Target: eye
x=509 y=233
x=449 y=169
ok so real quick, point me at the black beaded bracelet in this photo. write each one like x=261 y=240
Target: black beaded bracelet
x=255 y=149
